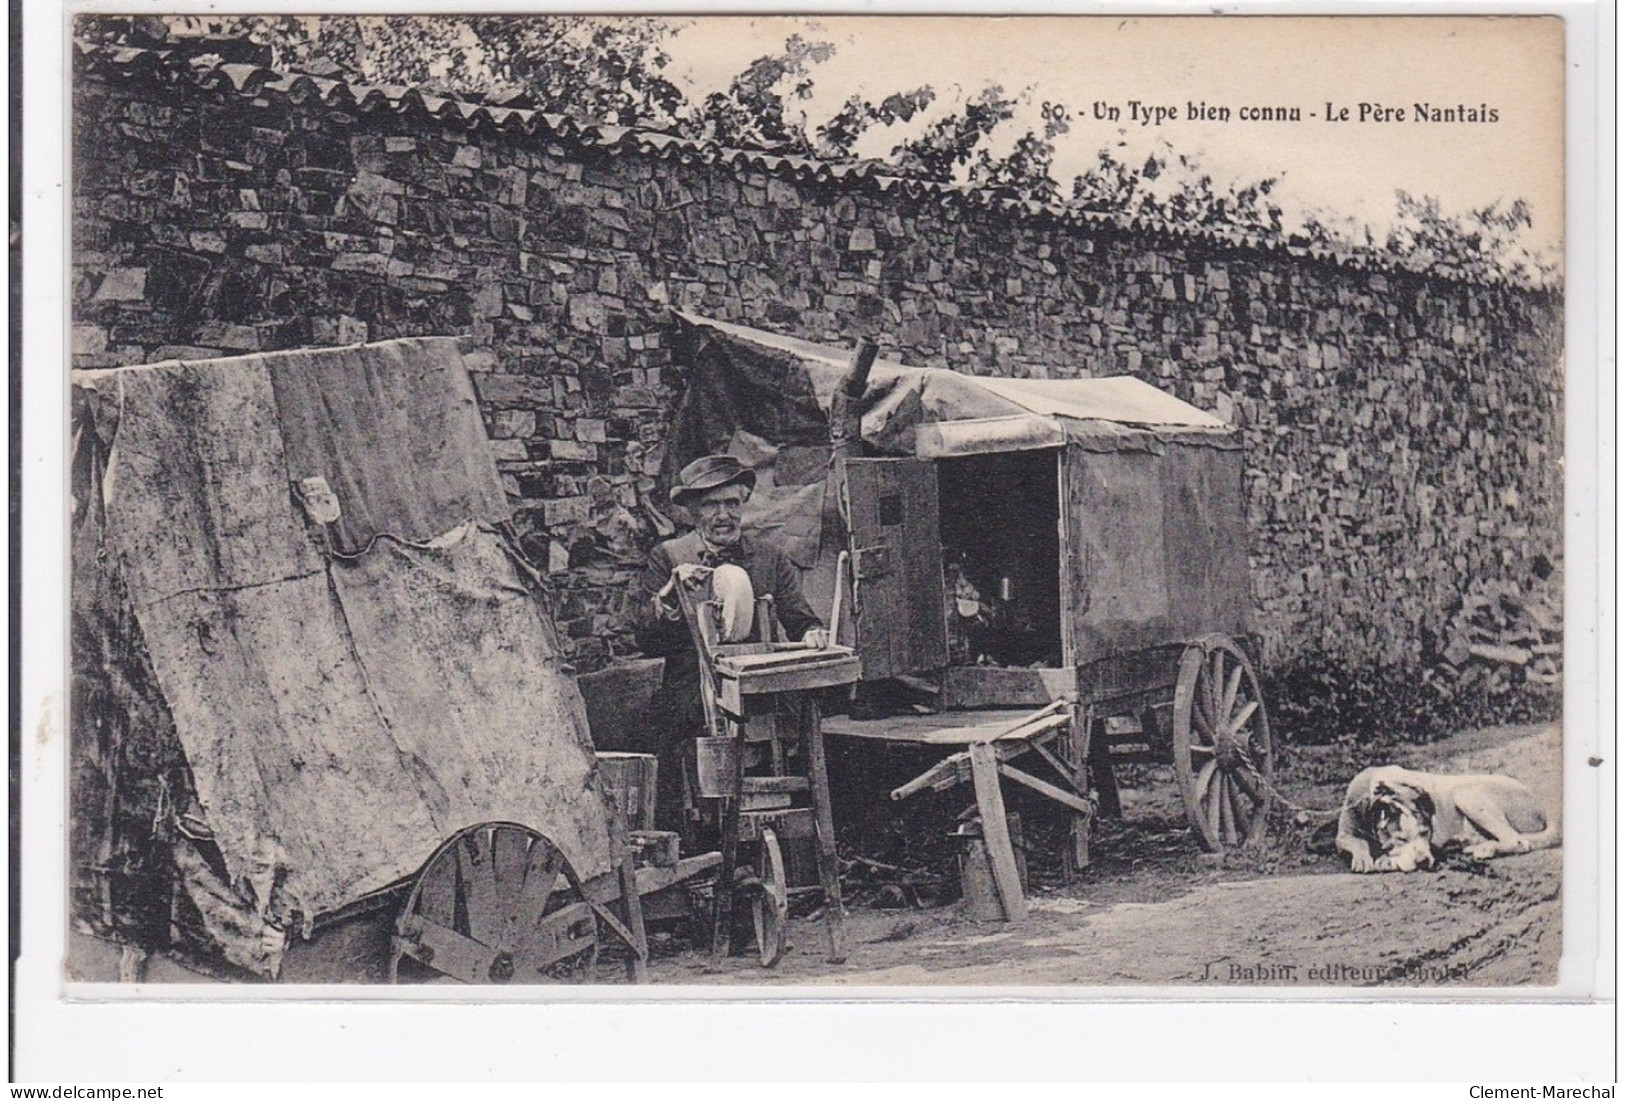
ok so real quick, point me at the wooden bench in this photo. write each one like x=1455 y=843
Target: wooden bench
x=991 y=743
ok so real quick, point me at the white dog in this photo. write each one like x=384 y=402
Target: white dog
x=1397 y=819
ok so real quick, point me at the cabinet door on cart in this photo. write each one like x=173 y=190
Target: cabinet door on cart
x=897 y=566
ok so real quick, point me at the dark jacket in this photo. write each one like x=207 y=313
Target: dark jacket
x=771 y=573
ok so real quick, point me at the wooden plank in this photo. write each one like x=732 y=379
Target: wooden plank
x=795 y=677
x=510 y=856
x=921 y=550
x=761 y=727
x=787 y=824
x=1065 y=544
x=617 y=700
x=990 y=803
x=632 y=778
x=730 y=665
x=668 y=906
x=734 y=692
x=909 y=729
x=1158 y=548
x=896 y=549
x=446 y=950
x=973 y=687
x=566 y=932
x=542 y=878
x=632 y=903
x=606 y=888
x=1065 y=798
x=1077 y=853
x=656 y=847
x=437 y=896
x=944 y=772
x=829 y=865
x=976 y=885
x=948 y=735
x=773 y=785
x=769 y=801
x=873 y=596
x=653 y=880
x=1034 y=719
x=1031 y=729
x=1119 y=677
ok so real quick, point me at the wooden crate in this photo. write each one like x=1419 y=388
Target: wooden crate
x=631 y=778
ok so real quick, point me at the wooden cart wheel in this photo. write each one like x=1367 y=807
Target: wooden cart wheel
x=770 y=906
x=496 y=903
x=1221 y=745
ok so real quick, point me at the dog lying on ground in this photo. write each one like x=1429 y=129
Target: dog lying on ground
x=1398 y=820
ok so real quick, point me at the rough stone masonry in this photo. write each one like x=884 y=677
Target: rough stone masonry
x=1404 y=431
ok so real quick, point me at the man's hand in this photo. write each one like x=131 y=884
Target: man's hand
x=816 y=638
x=666 y=601
x=689 y=573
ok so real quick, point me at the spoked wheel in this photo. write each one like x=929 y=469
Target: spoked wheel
x=1221 y=742
x=770 y=907
x=496 y=903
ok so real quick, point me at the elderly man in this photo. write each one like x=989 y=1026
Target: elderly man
x=714 y=489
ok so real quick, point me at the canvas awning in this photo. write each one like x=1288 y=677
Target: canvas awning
x=932 y=412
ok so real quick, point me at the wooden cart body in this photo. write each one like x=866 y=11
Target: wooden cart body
x=1147 y=544
x=1118 y=507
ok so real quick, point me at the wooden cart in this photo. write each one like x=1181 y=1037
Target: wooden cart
x=1016 y=544
x=1153 y=662
x=499 y=903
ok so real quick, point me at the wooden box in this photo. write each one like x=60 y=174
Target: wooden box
x=631 y=779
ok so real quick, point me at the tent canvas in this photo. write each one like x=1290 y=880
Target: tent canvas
x=781 y=388
x=278 y=711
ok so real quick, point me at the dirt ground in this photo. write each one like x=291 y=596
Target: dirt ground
x=1153 y=910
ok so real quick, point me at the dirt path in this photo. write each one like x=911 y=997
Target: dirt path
x=1154 y=910
x=1165 y=916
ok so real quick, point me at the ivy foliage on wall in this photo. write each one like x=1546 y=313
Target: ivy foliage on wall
x=619 y=71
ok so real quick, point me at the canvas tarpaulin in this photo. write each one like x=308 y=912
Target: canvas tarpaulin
x=397 y=434
x=780 y=388
x=345 y=695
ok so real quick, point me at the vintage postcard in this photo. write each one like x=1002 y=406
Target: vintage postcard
x=1057 y=505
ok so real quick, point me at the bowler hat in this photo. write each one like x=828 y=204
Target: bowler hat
x=710 y=472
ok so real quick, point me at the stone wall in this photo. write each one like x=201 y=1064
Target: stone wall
x=1403 y=432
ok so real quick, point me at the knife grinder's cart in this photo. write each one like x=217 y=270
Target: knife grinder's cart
x=1052 y=567
x=760 y=774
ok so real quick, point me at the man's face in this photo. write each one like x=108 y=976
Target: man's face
x=717 y=512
